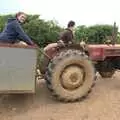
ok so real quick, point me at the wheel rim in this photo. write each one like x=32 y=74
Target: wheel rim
x=72 y=77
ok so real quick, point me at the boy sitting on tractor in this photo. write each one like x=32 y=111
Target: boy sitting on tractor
x=66 y=37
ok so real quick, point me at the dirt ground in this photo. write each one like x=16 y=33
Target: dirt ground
x=103 y=103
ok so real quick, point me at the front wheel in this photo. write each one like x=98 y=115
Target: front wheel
x=106 y=74
x=106 y=68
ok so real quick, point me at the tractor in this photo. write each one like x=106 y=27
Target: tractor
x=69 y=70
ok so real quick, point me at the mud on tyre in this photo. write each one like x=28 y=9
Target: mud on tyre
x=70 y=75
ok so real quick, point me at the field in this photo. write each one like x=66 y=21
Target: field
x=103 y=103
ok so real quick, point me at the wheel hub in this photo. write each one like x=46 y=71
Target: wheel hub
x=72 y=77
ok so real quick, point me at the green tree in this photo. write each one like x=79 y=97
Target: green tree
x=40 y=31
x=94 y=34
x=44 y=32
x=3 y=20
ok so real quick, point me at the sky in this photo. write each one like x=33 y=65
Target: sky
x=83 y=12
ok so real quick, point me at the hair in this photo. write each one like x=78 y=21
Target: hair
x=71 y=24
x=19 y=13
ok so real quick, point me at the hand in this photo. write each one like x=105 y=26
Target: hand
x=21 y=43
x=70 y=42
x=61 y=43
x=35 y=45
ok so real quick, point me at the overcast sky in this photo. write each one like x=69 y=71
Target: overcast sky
x=84 y=12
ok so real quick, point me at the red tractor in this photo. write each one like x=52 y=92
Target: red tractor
x=70 y=70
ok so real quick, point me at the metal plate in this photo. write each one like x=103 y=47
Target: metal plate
x=17 y=70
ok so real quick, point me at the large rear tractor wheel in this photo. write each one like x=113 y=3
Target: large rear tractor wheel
x=70 y=75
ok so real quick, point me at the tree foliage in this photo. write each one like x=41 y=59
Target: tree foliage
x=94 y=34
x=44 y=32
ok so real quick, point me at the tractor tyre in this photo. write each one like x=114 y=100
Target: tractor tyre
x=106 y=74
x=70 y=75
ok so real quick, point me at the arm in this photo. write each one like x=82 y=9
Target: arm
x=21 y=34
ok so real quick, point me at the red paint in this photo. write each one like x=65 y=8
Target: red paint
x=100 y=52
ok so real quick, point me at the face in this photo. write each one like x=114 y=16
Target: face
x=22 y=18
x=72 y=28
